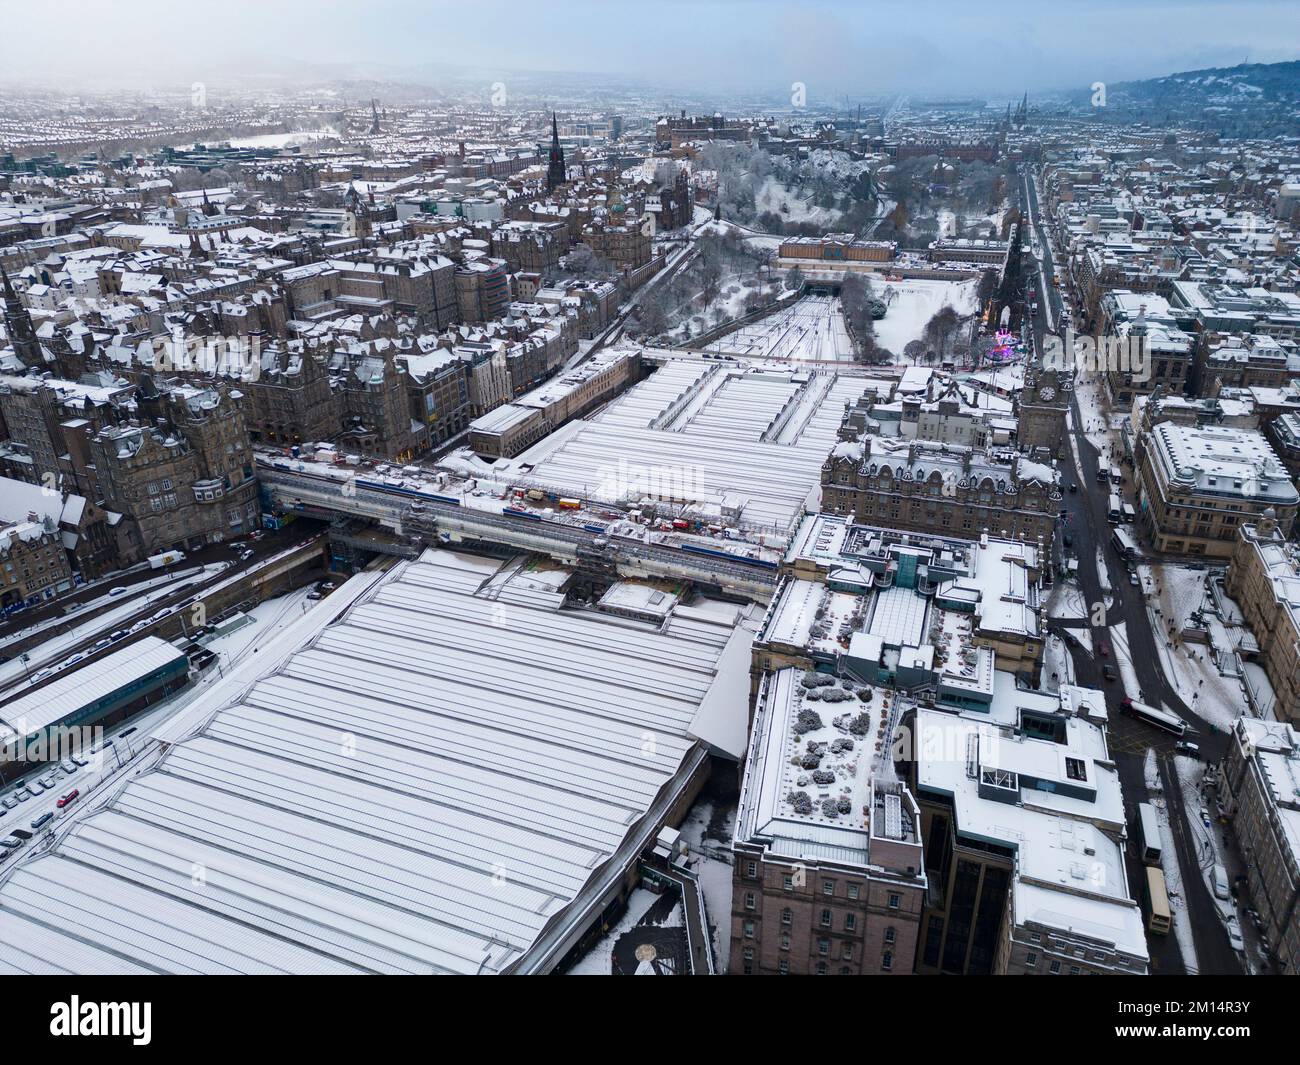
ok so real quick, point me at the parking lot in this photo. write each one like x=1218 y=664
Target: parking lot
x=26 y=801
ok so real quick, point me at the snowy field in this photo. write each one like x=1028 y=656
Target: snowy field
x=913 y=302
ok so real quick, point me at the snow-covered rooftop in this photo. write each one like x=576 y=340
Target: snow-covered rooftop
x=438 y=781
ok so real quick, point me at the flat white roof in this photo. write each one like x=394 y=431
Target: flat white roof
x=50 y=704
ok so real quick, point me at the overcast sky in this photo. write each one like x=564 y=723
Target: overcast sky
x=994 y=47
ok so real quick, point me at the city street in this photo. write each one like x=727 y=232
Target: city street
x=1085 y=518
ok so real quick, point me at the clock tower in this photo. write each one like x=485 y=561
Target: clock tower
x=1042 y=409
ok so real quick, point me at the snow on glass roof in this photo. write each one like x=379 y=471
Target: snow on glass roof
x=437 y=782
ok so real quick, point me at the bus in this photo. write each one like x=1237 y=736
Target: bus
x=1149 y=828
x=1156 y=898
x=1130 y=515
x=1115 y=509
x=1152 y=716
x=1124 y=544
x=1103 y=473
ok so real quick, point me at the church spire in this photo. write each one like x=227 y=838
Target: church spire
x=555 y=171
x=18 y=323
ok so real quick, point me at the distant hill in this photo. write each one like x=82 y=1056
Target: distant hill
x=1251 y=99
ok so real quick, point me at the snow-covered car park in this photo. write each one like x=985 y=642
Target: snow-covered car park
x=35 y=804
x=32 y=805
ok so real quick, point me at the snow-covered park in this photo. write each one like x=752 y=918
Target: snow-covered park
x=913 y=301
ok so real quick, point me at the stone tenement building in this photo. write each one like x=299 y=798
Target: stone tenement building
x=626 y=245
x=50 y=423
x=1264 y=578
x=942 y=490
x=33 y=563
x=482 y=290
x=183 y=477
x=1158 y=352
x=1261 y=794
x=377 y=407
x=293 y=398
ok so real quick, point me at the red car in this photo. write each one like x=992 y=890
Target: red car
x=71 y=797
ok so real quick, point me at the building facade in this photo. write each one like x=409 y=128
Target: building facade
x=1198 y=484
x=1263 y=578
x=1260 y=781
x=946 y=491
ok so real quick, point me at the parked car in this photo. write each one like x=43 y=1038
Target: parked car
x=1189 y=748
x=42 y=821
x=8 y=802
x=21 y=795
x=10 y=844
x=65 y=800
x=117 y=591
x=126 y=732
x=1234 y=934
x=68 y=765
x=79 y=760
x=1135 y=580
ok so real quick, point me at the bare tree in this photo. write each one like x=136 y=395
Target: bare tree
x=941 y=328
